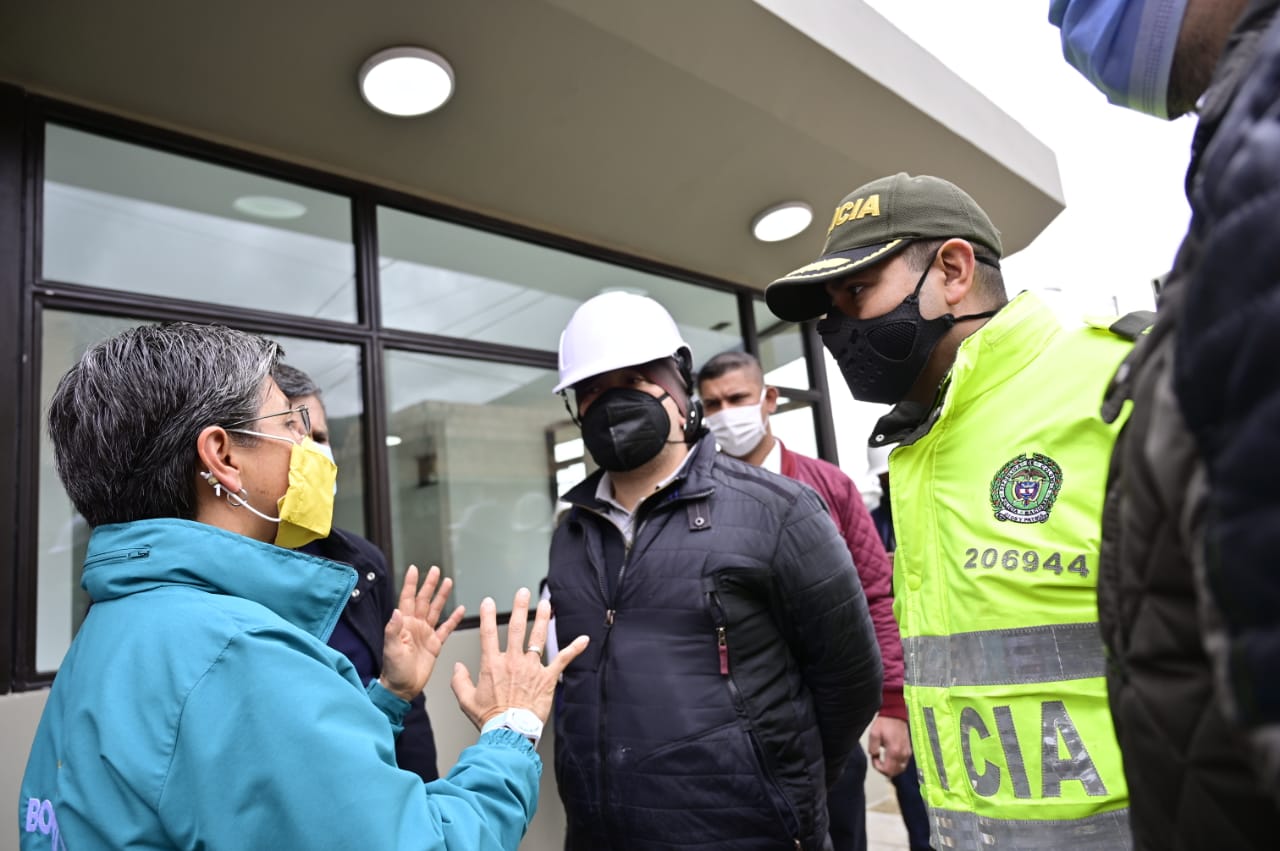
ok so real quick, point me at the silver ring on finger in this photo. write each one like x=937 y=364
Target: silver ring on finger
x=533 y=648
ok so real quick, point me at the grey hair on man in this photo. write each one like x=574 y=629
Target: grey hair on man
x=293 y=382
x=125 y=419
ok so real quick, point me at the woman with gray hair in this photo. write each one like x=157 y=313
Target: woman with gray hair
x=177 y=719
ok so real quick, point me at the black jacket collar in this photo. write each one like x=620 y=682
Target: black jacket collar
x=695 y=479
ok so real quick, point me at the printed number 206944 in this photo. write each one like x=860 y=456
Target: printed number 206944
x=1026 y=560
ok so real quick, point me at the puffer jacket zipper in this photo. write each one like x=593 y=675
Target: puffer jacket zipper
x=610 y=615
x=602 y=790
x=721 y=622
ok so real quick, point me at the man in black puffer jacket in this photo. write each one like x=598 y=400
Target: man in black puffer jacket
x=732 y=663
x=1189 y=592
x=1227 y=381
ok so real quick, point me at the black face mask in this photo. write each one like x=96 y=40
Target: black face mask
x=882 y=357
x=625 y=428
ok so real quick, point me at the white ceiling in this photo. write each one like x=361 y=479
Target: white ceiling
x=657 y=129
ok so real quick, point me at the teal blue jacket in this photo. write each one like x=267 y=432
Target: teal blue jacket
x=199 y=707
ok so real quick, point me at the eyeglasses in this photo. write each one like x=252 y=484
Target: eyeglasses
x=304 y=415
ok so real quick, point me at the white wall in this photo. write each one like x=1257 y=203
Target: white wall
x=454 y=732
x=19 y=715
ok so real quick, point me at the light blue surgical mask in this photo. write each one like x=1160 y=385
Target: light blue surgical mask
x=1124 y=47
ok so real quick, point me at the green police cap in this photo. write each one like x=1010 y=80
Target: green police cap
x=873 y=223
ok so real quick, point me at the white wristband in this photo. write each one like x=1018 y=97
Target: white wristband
x=522 y=721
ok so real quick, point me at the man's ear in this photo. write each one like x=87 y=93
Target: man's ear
x=956 y=259
x=217 y=459
x=770 y=405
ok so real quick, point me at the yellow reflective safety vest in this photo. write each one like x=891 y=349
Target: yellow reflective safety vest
x=997 y=507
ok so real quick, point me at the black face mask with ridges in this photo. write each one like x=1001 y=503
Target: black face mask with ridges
x=624 y=428
x=882 y=357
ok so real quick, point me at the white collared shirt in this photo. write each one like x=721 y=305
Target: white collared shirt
x=773 y=461
x=619 y=516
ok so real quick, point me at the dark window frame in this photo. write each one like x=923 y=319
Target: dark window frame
x=27 y=294
x=13 y=293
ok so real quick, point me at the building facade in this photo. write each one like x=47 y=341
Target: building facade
x=216 y=164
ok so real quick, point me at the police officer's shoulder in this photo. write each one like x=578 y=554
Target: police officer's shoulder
x=1129 y=327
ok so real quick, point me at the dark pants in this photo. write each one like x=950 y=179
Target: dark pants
x=914 y=814
x=847 y=806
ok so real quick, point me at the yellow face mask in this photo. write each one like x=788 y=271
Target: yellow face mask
x=306 y=509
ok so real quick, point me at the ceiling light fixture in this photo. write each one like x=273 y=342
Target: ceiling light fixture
x=781 y=221
x=406 y=81
x=269 y=207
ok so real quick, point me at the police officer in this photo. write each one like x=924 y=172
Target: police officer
x=997 y=491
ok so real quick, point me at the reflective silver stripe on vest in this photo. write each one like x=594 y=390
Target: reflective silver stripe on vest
x=1102 y=832
x=1039 y=654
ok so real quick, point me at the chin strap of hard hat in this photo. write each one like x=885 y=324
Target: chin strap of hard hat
x=693 y=419
x=573 y=415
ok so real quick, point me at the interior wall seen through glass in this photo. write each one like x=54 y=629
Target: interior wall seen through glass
x=473 y=467
x=62 y=534
x=125 y=217
x=455 y=281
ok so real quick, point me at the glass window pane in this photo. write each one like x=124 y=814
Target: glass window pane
x=63 y=536
x=572 y=462
x=570 y=450
x=455 y=281
x=781 y=344
x=793 y=425
x=792 y=374
x=473 y=476
x=782 y=358
x=567 y=477
x=130 y=218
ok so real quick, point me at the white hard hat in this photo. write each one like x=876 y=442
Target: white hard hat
x=614 y=330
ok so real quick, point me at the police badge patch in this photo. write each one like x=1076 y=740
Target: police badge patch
x=1025 y=489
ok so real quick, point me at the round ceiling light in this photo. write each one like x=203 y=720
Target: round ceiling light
x=782 y=221
x=269 y=207
x=406 y=81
